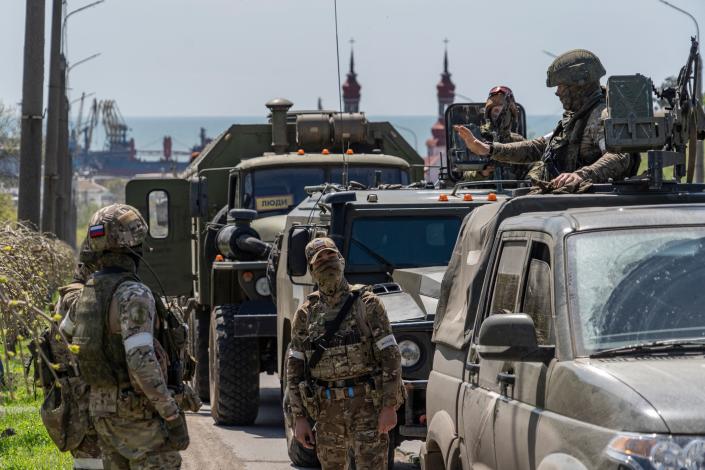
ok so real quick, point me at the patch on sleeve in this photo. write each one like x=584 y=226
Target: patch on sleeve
x=386 y=342
x=95 y=231
x=296 y=355
x=601 y=144
x=137 y=340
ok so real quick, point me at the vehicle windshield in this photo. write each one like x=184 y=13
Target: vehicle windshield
x=630 y=287
x=366 y=175
x=278 y=190
x=378 y=243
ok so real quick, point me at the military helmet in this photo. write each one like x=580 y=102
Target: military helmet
x=116 y=227
x=317 y=246
x=576 y=67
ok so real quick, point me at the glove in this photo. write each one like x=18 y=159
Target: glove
x=177 y=438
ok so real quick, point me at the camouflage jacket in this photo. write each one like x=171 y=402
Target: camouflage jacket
x=582 y=141
x=68 y=297
x=364 y=344
x=132 y=315
x=509 y=171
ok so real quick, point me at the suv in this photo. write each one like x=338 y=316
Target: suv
x=399 y=241
x=210 y=231
x=569 y=331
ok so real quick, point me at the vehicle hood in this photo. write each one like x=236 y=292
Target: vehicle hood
x=422 y=284
x=673 y=386
x=269 y=227
x=401 y=307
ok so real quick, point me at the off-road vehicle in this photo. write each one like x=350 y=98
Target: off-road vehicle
x=209 y=247
x=397 y=240
x=569 y=332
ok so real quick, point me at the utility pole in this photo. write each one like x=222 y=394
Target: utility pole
x=65 y=172
x=29 y=204
x=53 y=111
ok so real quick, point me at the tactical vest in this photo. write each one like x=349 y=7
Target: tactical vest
x=563 y=151
x=351 y=351
x=101 y=357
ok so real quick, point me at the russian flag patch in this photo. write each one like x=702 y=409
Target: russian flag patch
x=96 y=231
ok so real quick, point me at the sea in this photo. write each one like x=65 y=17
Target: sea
x=149 y=132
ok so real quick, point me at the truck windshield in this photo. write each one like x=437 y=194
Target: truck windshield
x=378 y=243
x=635 y=287
x=277 y=190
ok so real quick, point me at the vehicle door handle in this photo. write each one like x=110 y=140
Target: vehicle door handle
x=506 y=378
x=472 y=367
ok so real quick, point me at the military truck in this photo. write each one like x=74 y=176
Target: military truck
x=210 y=230
x=397 y=240
x=569 y=332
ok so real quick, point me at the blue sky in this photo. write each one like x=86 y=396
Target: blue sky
x=228 y=57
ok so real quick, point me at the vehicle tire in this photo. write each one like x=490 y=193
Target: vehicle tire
x=234 y=371
x=199 y=329
x=298 y=454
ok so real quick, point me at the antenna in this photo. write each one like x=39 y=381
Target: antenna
x=340 y=98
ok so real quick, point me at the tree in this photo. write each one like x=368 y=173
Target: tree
x=9 y=144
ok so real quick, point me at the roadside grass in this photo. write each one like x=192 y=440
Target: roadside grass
x=30 y=447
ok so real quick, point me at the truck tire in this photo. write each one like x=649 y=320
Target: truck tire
x=199 y=328
x=234 y=371
x=298 y=454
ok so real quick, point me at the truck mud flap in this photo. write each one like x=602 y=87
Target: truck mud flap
x=256 y=319
x=411 y=426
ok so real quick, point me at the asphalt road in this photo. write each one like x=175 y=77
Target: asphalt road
x=258 y=447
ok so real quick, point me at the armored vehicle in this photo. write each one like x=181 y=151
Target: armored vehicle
x=211 y=228
x=399 y=241
x=569 y=328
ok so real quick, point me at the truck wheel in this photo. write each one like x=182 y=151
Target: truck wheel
x=298 y=454
x=199 y=328
x=234 y=371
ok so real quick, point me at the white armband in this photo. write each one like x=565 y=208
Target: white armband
x=137 y=340
x=296 y=355
x=387 y=341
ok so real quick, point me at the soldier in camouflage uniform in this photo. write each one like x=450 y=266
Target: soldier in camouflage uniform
x=575 y=152
x=353 y=392
x=137 y=419
x=501 y=114
x=87 y=455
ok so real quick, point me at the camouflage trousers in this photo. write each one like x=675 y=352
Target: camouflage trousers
x=135 y=444
x=347 y=427
x=87 y=455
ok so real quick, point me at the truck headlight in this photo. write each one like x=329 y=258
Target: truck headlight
x=658 y=452
x=410 y=353
x=262 y=287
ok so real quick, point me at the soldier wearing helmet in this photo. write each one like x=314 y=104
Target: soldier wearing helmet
x=350 y=384
x=115 y=328
x=501 y=114
x=575 y=152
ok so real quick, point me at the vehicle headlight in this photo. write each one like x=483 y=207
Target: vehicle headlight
x=262 y=287
x=410 y=353
x=658 y=452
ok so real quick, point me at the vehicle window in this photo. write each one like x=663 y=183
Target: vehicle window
x=366 y=175
x=506 y=284
x=632 y=287
x=158 y=203
x=401 y=242
x=279 y=189
x=537 y=293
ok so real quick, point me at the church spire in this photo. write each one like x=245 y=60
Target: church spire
x=446 y=87
x=351 y=88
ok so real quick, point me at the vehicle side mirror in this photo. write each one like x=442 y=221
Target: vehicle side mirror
x=296 y=263
x=511 y=337
x=199 y=197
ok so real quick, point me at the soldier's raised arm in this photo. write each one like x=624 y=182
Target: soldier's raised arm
x=137 y=312
x=387 y=350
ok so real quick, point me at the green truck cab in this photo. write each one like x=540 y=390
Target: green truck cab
x=397 y=240
x=210 y=230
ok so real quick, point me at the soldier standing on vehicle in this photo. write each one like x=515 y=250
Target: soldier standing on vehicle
x=501 y=114
x=344 y=368
x=576 y=150
x=137 y=419
x=87 y=454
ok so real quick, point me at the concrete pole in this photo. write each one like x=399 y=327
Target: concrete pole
x=63 y=187
x=29 y=204
x=699 y=173
x=53 y=112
